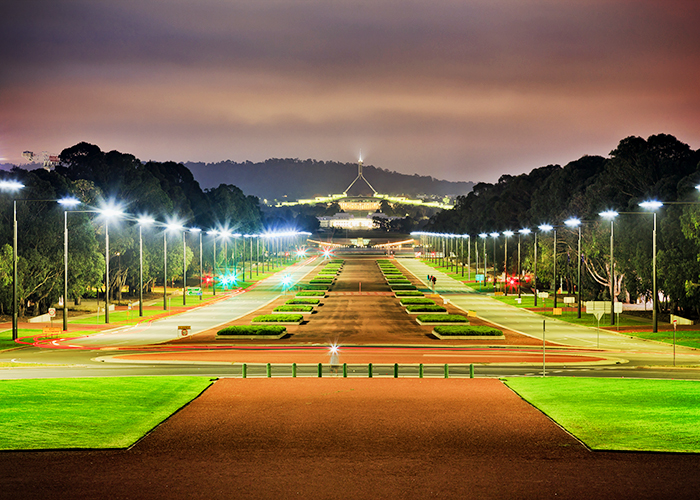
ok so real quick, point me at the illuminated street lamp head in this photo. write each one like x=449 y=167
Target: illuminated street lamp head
x=609 y=214
x=494 y=235
x=651 y=205
x=508 y=234
x=146 y=220
x=174 y=226
x=573 y=222
x=286 y=280
x=333 y=349
x=483 y=235
x=69 y=202
x=525 y=230
x=212 y=232
x=545 y=227
x=195 y=230
x=301 y=252
x=327 y=253
x=111 y=211
x=11 y=185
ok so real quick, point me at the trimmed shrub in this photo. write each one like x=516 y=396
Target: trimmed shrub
x=403 y=287
x=309 y=286
x=294 y=308
x=278 y=318
x=311 y=293
x=442 y=318
x=426 y=308
x=409 y=293
x=252 y=330
x=417 y=300
x=468 y=330
x=303 y=301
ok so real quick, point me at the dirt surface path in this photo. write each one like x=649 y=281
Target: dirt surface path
x=340 y=438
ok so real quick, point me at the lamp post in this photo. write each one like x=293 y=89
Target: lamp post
x=213 y=233
x=611 y=214
x=108 y=213
x=546 y=228
x=574 y=222
x=184 y=267
x=507 y=234
x=198 y=231
x=524 y=231
x=483 y=236
x=171 y=226
x=66 y=203
x=143 y=221
x=494 y=235
x=13 y=186
x=654 y=205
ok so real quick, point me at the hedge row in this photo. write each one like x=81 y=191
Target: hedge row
x=252 y=330
x=476 y=331
x=426 y=308
x=303 y=301
x=441 y=318
x=417 y=300
x=311 y=293
x=278 y=318
x=294 y=308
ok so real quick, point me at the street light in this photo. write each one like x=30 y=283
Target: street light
x=574 y=222
x=494 y=235
x=143 y=221
x=524 y=231
x=611 y=214
x=546 y=228
x=66 y=203
x=13 y=186
x=654 y=205
x=213 y=233
x=507 y=234
x=108 y=212
x=197 y=230
x=171 y=226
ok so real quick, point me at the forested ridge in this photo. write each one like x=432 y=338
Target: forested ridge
x=292 y=179
x=659 y=167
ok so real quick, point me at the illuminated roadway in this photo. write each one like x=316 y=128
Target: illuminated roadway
x=89 y=360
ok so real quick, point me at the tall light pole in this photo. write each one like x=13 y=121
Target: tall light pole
x=66 y=203
x=198 y=231
x=143 y=221
x=524 y=231
x=184 y=266
x=108 y=213
x=507 y=235
x=574 y=222
x=494 y=235
x=546 y=228
x=213 y=233
x=611 y=214
x=13 y=186
x=654 y=205
x=171 y=226
x=483 y=236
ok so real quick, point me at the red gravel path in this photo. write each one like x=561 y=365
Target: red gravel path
x=352 y=438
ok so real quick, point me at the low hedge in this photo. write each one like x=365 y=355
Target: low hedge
x=442 y=318
x=468 y=330
x=409 y=293
x=309 y=286
x=252 y=330
x=403 y=287
x=424 y=308
x=294 y=308
x=320 y=282
x=303 y=301
x=417 y=300
x=311 y=293
x=278 y=318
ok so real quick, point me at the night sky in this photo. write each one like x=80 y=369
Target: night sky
x=460 y=90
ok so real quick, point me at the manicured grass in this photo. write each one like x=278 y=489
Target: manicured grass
x=311 y=293
x=409 y=293
x=620 y=414
x=6 y=341
x=442 y=318
x=475 y=330
x=118 y=316
x=111 y=412
x=426 y=308
x=252 y=330
x=294 y=308
x=417 y=300
x=683 y=337
x=278 y=318
x=304 y=301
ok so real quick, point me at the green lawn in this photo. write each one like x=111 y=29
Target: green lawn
x=6 y=341
x=620 y=414
x=683 y=337
x=89 y=413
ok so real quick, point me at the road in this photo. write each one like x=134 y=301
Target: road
x=363 y=317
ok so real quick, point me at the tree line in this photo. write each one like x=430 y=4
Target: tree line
x=660 y=167
x=165 y=191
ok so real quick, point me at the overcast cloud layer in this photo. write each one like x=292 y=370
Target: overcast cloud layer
x=461 y=90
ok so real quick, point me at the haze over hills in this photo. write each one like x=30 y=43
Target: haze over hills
x=292 y=179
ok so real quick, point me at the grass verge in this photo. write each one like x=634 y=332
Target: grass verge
x=620 y=414
x=112 y=412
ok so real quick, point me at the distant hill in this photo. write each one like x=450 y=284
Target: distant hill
x=293 y=179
